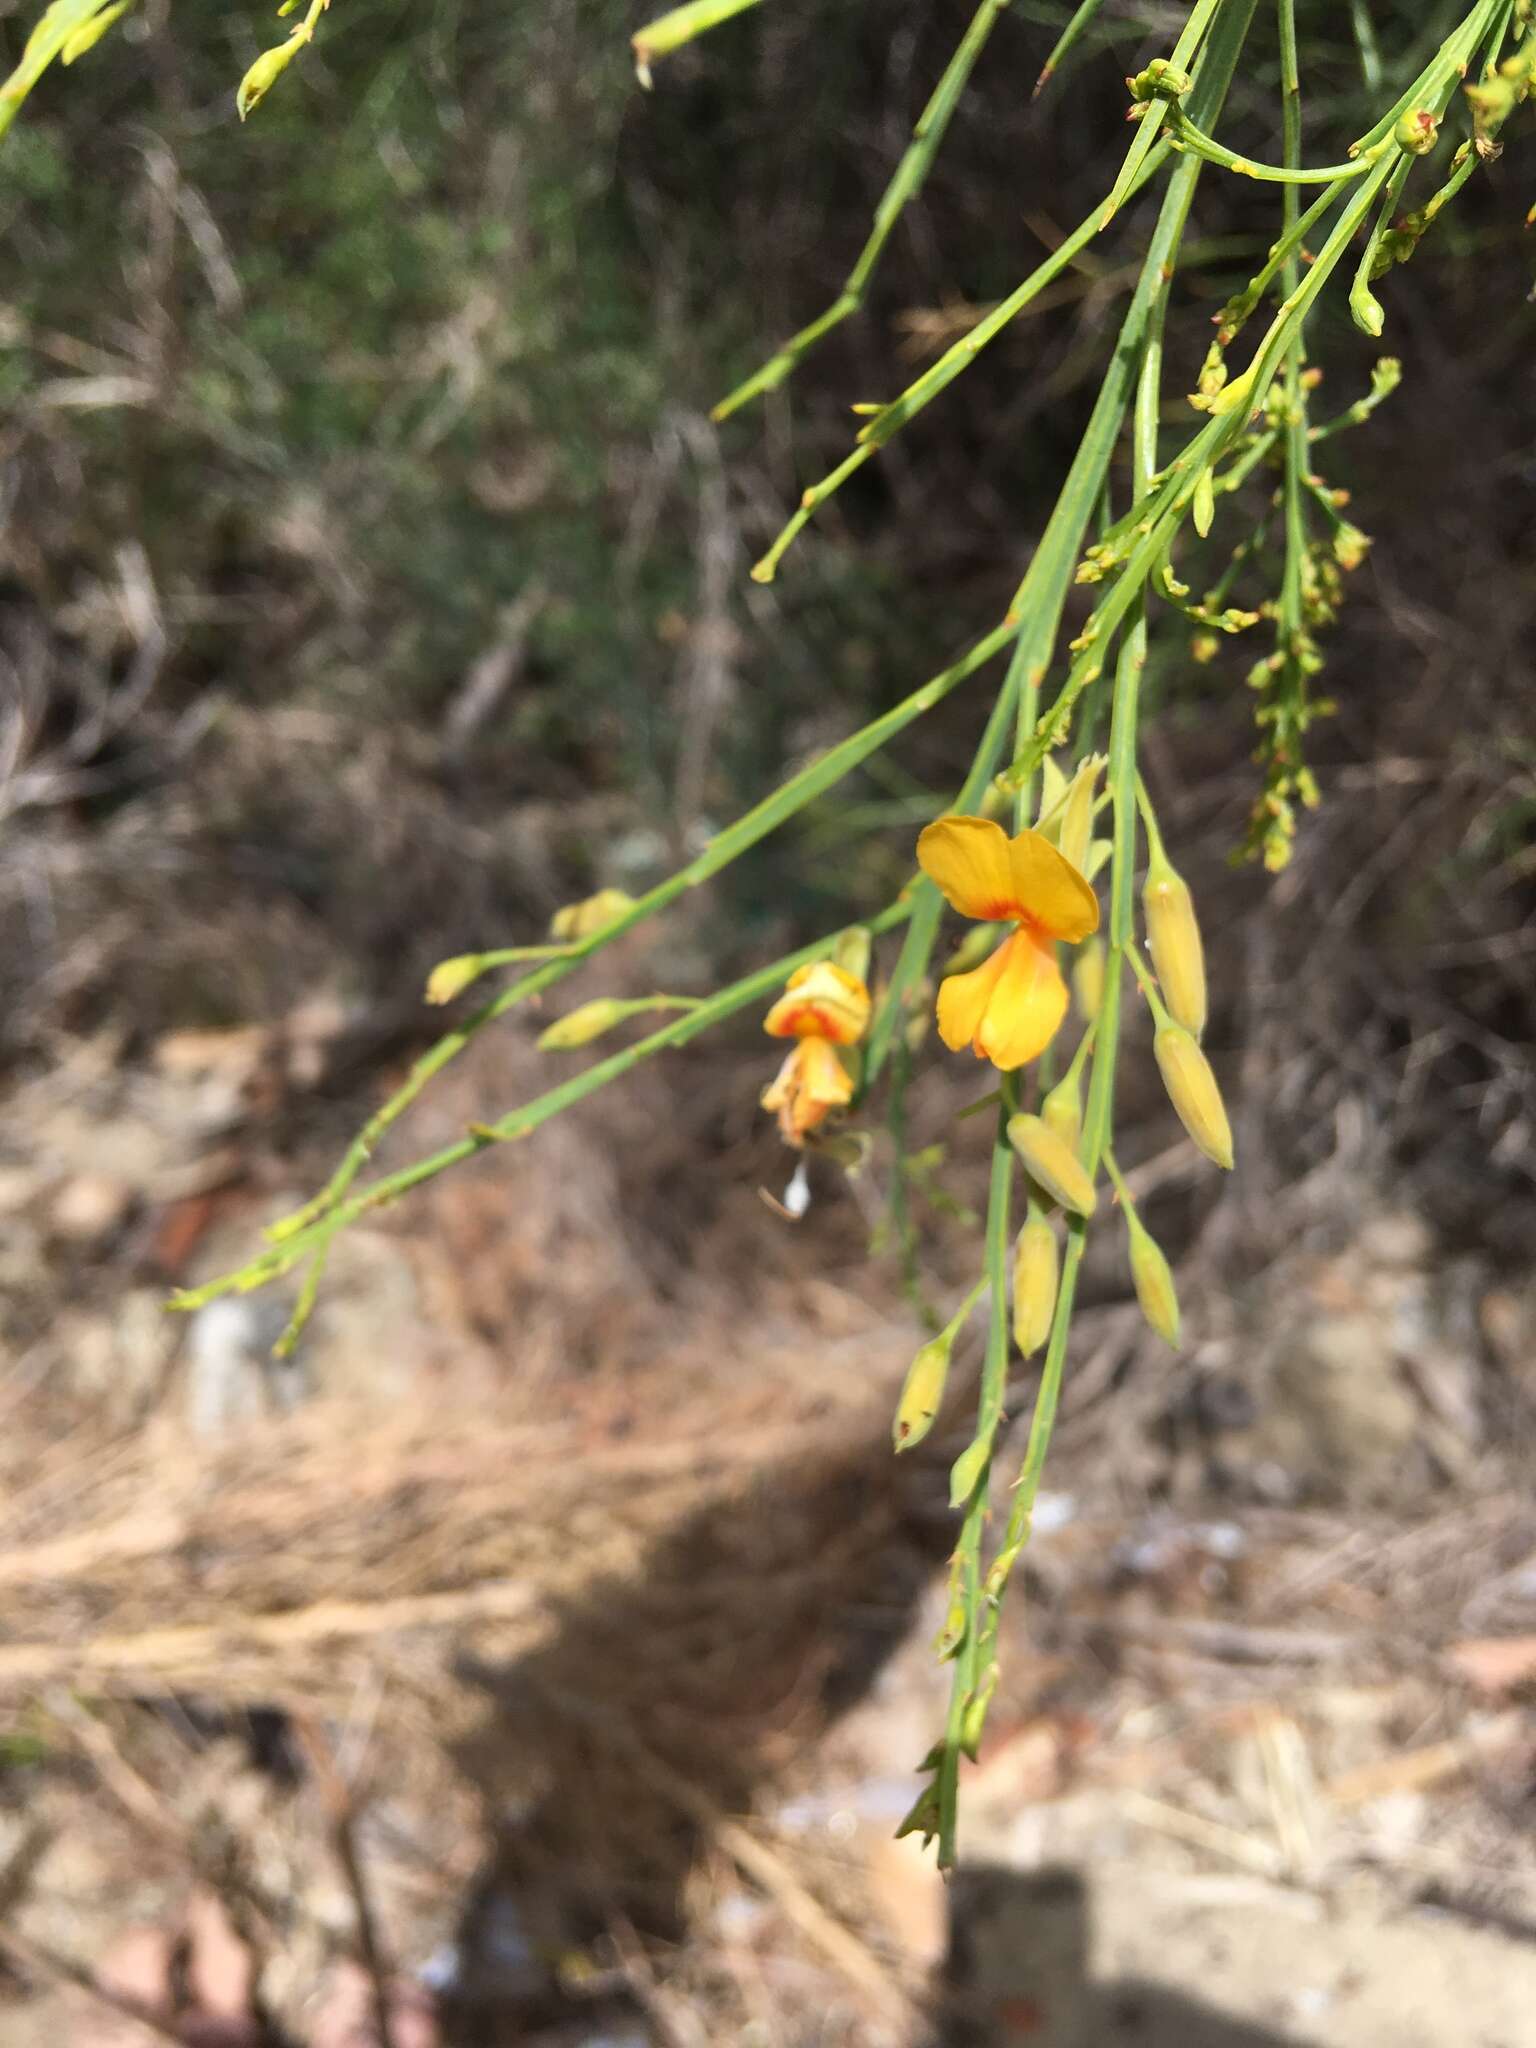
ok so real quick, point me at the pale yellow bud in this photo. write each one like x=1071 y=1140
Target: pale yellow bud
x=266 y=71
x=1173 y=937
x=1234 y=397
x=1203 y=504
x=921 y=1393
x=1193 y=1092
x=1053 y=1163
x=1077 y=813
x=852 y=951
x=1088 y=979
x=1036 y=1272
x=592 y=914
x=967 y=1470
x=450 y=977
x=90 y=35
x=1417 y=131
x=1154 y=1281
x=1062 y=1110
x=1053 y=787
x=588 y=1021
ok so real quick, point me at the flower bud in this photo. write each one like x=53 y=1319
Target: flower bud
x=1154 y=1280
x=1088 y=979
x=1062 y=1110
x=1053 y=1163
x=1173 y=937
x=921 y=1392
x=88 y=36
x=851 y=952
x=1193 y=1091
x=1237 y=396
x=1349 y=546
x=956 y=1615
x=1203 y=504
x=1417 y=131
x=451 y=977
x=1160 y=81
x=967 y=1469
x=592 y=914
x=266 y=71
x=1076 y=833
x=1036 y=1272
x=586 y=1022
x=1053 y=787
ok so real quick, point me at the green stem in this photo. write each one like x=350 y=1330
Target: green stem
x=907 y=182
x=1065 y=42
x=298 y=1243
x=968 y=1673
x=756 y=824
x=1187 y=136
x=1148 y=130
x=891 y=418
x=680 y=25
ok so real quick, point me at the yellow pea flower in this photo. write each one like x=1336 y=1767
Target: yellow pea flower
x=822 y=1007
x=1010 y=1008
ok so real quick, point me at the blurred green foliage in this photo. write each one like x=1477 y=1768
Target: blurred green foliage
x=436 y=327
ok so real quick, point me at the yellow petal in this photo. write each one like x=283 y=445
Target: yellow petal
x=963 y=1000
x=826 y=1082
x=1025 y=1009
x=968 y=859
x=1049 y=890
x=820 y=1001
x=812 y=1081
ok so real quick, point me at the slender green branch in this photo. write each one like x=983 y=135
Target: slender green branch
x=1187 y=136
x=66 y=30
x=791 y=796
x=299 y=1243
x=1066 y=42
x=670 y=31
x=906 y=183
x=893 y=417
x=969 y=1684
x=1185 y=53
x=1364 y=306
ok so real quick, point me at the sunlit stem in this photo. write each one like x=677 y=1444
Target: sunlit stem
x=520 y=1123
x=791 y=797
x=904 y=186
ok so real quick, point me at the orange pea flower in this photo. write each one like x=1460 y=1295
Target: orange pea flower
x=1010 y=1008
x=822 y=1007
